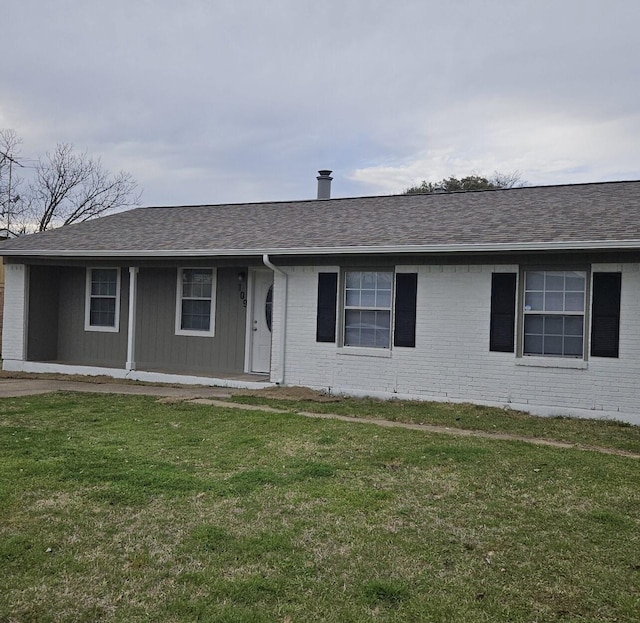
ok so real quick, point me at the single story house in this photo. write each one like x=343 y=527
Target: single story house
x=525 y=297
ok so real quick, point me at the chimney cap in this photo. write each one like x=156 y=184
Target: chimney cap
x=324 y=173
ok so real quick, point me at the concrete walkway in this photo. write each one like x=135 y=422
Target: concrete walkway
x=11 y=387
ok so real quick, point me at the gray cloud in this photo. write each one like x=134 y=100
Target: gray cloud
x=232 y=101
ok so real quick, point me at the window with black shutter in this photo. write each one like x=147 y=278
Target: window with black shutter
x=326 y=313
x=503 y=312
x=605 y=315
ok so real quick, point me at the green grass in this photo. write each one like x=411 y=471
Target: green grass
x=118 y=508
x=606 y=433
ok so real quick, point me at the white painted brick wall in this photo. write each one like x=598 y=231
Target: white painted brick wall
x=13 y=333
x=452 y=360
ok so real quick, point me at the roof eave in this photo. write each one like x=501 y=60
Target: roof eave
x=586 y=245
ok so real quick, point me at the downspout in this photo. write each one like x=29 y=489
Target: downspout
x=267 y=262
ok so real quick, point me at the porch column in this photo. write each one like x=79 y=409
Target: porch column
x=16 y=291
x=131 y=329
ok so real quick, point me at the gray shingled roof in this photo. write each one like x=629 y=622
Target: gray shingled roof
x=604 y=215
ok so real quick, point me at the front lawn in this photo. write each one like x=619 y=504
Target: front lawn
x=118 y=508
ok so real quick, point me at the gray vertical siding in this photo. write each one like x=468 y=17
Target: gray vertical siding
x=42 y=334
x=157 y=345
x=91 y=348
x=56 y=323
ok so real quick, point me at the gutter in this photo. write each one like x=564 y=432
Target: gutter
x=503 y=247
x=283 y=331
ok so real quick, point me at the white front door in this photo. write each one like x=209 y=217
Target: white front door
x=262 y=303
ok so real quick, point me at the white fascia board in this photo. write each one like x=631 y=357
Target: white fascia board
x=586 y=245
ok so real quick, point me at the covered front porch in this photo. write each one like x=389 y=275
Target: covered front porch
x=51 y=331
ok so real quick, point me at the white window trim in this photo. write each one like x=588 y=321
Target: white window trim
x=358 y=349
x=212 y=320
x=87 y=302
x=537 y=358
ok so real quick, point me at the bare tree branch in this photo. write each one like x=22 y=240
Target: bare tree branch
x=71 y=187
x=67 y=187
x=11 y=205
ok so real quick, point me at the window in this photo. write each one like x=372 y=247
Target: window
x=366 y=312
x=367 y=308
x=102 y=303
x=268 y=308
x=554 y=304
x=195 y=304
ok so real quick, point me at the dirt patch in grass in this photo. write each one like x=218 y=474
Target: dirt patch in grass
x=290 y=393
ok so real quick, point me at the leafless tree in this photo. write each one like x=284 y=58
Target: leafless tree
x=11 y=204
x=70 y=187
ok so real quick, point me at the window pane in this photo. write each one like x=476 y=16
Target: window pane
x=383 y=298
x=533 y=301
x=367 y=337
x=369 y=280
x=353 y=279
x=553 y=301
x=353 y=298
x=573 y=346
x=104 y=281
x=532 y=344
x=574 y=282
x=368 y=298
x=533 y=324
x=554 y=281
x=574 y=301
x=552 y=345
x=196 y=315
x=384 y=280
x=351 y=336
x=352 y=318
x=196 y=283
x=382 y=339
x=553 y=325
x=367 y=328
x=268 y=308
x=102 y=312
x=367 y=318
x=553 y=335
x=573 y=325
x=534 y=280
x=383 y=320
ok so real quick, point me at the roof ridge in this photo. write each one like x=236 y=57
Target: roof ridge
x=391 y=196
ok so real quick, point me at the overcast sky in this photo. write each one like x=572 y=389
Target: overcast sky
x=214 y=101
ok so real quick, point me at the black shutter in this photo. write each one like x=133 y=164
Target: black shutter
x=405 y=327
x=605 y=322
x=503 y=312
x=327 y=297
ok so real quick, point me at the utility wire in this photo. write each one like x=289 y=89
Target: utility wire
x=8 y=157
